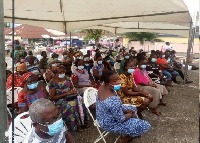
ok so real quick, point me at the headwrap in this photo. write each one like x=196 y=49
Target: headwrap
x=21 y=67
x=26 y=76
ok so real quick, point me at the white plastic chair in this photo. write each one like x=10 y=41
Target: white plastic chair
x=22 y=128
x=89 y=98
x=47 y=86
x=117 y=66
x=73 y=68
x=9 y=96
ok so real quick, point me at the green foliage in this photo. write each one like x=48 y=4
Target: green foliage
x=93 y=34
x=6 y=25
x=142 y=36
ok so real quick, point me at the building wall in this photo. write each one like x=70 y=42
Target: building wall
x=178 y=44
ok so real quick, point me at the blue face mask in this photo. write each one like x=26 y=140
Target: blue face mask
x=56 y=59
x=127 y=57
x=163 y=56
x=108 y=61
x=117 y=87
x=86 y=65
x=32 y=86
x=131 y=71
x=65 y=56
x=153 y=60
x=61 y=75
x=100 y=62
x=80 y=67
x=55 y=127
x=143 y=66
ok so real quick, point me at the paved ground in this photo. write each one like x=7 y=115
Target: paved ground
x=179 y=123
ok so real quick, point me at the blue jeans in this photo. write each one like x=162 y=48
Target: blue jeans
x=170 y=74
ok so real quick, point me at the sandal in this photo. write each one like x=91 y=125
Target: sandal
x=163 y=104
x=86 y=125
x=80 y=129
x=157 y=113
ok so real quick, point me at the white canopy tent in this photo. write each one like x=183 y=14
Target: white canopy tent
x=71 y=15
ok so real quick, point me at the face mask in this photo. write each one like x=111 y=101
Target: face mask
x=153 y=60
x=22 y=60
x=108 y=61
x=127 y=57
x=163 y=56
x=65 y=56
x=113 y=53
x=86 y=65
x=120 y=53
x=100 y=62
x=119 y=48
x=168 y=61
x=55 y=127
x=143 y=66
x=61 y=75
x=56 y=59
x=132 y=55
x=135 y=54
x=131 y=71
x=117 y=87
x=53 y=65
x=32 y=86
x=80 y=67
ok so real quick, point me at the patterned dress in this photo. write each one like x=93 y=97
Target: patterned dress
x=111 y=118
x=128 y=82
x=68 y=108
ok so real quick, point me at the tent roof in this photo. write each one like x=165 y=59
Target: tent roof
x=55 y=14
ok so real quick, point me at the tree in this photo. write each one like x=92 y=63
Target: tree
x=142 y=37
x=6 y=25
x=93 y=34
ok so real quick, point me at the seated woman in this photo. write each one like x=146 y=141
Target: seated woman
x=98 y=68
x=126 y=58
x=51 y=71
x=61 y=87
x=19 y=76
x=106 y=63
x=153 y=68
x=81 y=78
x=144 y=82
x=112 y=115
x=43 y=62
x=32 y=92
x=129 y=93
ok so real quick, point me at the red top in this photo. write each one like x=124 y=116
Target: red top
x=161 y=61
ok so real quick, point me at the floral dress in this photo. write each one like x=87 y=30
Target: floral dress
x=111 y=118
x=68 y=108
x=128 y=82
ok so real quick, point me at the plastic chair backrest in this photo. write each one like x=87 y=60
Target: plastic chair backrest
x=117 y=66
x=22 y=128
x=73 y=68
x=9 y=94
x=90 y=96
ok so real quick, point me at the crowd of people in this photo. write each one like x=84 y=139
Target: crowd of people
x=140 y=83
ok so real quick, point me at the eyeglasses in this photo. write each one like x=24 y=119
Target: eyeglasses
x=53 y=120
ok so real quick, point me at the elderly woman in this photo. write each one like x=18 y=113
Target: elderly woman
x=129 y=93
x=19 y=76
x=60 y=90
x=32 y=92
x=45 y=114
x=112 y=115
x=144 y=82
x=98 y=68
x=80 y=77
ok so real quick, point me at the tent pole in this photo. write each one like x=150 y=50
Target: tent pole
x=188 y=51
x=70 y=37
x=3 y=100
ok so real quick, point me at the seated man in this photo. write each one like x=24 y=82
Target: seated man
x=30 y=53
x=167 y=70
x=48 y=125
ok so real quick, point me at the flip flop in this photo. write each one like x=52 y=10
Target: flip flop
x=163 y=104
